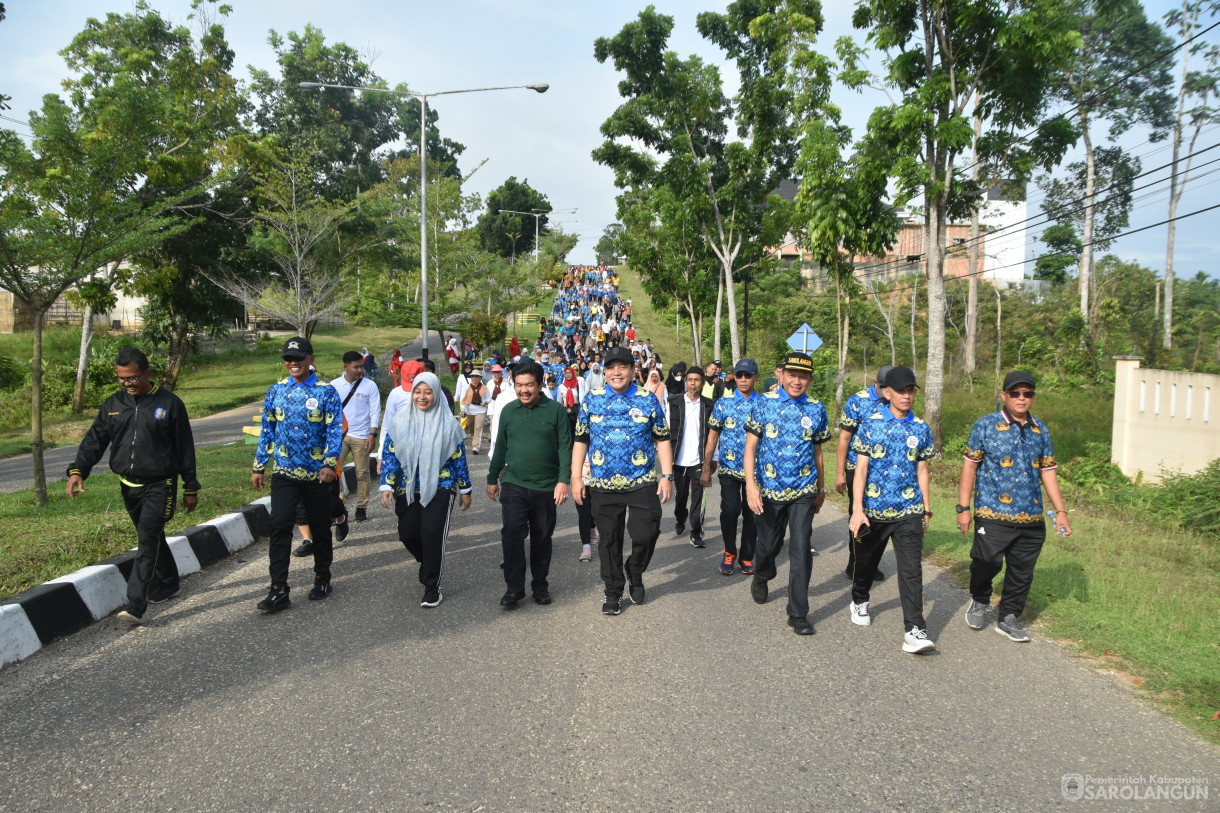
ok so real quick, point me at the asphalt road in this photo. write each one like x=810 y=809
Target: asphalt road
x=697 y=700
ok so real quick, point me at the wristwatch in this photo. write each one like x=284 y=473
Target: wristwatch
x=961 y=509
x=668 y=476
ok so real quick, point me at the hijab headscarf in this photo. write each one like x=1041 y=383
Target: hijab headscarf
x=675 y=382
x=411 y=370
x=596 y=379
x=424 y=440
x=569 y=390
x=656 y=386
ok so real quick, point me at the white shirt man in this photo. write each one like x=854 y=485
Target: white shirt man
x=362 y=413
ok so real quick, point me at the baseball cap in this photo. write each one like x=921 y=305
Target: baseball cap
x=618 y=353
x=747 y=366
x=1018 y=377
x=900 y=378
x=798 y=362
x=882 y=372
x=298 y=347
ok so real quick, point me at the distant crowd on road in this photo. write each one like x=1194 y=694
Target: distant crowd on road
x=587 y=414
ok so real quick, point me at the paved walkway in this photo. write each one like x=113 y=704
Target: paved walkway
x=697 y=700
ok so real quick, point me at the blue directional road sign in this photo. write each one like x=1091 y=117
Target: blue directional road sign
x=805 y=340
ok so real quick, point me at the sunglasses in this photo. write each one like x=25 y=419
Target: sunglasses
x=1021 y=393
x=743 y=375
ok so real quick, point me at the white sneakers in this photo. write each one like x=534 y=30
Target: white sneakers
x=859 y=614
x=917 y=641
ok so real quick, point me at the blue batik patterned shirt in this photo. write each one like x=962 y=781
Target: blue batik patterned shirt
x=729 y=418
x=1011 y=458
x=894 y=447
x=859 y=406
x=788 y=429
x=622 y=431
x=302 y=428
x=454 y=474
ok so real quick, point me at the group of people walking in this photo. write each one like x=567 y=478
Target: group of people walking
x=619 y=451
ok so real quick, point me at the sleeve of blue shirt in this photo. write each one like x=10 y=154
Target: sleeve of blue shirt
x=1047 y=461
x=266 y=434
x=926 y=449
x=716 y=420
x=862 y=444
x=974 y=445
x=582 y=423
x=391 y=469
x=660 y=429
x=461 y=472
x=821 y=432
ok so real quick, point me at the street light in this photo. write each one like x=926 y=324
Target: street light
x=539 y=87
x=537 y=215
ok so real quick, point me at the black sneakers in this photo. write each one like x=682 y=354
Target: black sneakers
x=432 y=598
x=679 y=528
x=511 y=598
x=361 y=515
x=321 y=589
x=542 y=597
x=800 y=626
x=276 y=600
x=613 y=605
x=164 y=594
x=341 y=529
x=305 y=549
x=697 y=540
x=758 y=590
x=636 y=591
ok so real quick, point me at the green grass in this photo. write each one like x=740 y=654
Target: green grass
x=657 y=325
x=44 y=543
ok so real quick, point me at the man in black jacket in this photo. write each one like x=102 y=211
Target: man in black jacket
x=151 y=446
x=688 y=414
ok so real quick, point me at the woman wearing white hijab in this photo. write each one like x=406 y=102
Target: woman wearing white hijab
x=423 y=465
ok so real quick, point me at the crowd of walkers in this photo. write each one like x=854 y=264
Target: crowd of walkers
x=586 y=413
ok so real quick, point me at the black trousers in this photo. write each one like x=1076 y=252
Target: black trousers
x=996 y=546
x=286 y=495
x=525 y=510
x=732 y=506
x=851 y=492
x=688 y=497
x=424 y=532
x=150 y=507
x=337 y=509
x=907 y=535
x=797 y=518
x=584 y=521
x=643 y=522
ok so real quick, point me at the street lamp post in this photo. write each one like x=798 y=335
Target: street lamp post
x=537 y=215
x=540 y=87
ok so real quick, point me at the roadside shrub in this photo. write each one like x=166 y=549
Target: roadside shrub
x=12 y=372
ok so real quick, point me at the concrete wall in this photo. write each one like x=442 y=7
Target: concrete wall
x=1163 y=420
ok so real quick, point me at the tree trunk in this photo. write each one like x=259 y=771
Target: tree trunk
x=695 y=343
x=914 y=310
x=177 y=354
x=1090 y=194
x=40 y=469
x=716 y=331
x=82 y=361
x=934 y=378
x=972 y=281
x=731 y=300
x=844 y=324
x=999 y=338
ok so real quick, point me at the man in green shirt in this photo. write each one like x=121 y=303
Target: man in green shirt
x=534 y=452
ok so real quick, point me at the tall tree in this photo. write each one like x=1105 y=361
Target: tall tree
x=947 y=59
x=69 y=206
x=1118 y=76
x=608 y=248
x=496 y=225
x=1197 y=90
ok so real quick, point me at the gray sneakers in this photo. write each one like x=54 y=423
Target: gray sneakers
x=976 y=614
x=1011 y=627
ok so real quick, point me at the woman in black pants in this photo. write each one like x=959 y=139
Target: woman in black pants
x=423 y=465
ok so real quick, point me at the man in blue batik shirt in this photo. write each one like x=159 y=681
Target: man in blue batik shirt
x=623 y=432
x=1009 y=460
x=785 y=482
x=303 y=432
x=726 y=448
x=859 y=406
x=891 y=502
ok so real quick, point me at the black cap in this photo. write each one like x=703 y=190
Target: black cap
x=1018 y=377
x=298 y=347
x=617 y=353
x=747 y=366
x=899 y=378
x=798 y=362
x=882 y=372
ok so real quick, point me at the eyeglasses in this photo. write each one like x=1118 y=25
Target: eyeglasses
x=743 y=375
x=130 y=379
x=1021 y=393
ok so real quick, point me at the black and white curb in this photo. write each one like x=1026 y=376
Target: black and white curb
x=32 y=619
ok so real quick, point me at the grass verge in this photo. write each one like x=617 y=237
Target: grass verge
x=45 y=543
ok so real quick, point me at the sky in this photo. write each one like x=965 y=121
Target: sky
x=543 y=138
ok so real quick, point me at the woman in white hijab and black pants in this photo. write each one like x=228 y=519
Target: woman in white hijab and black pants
x=423 y=464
